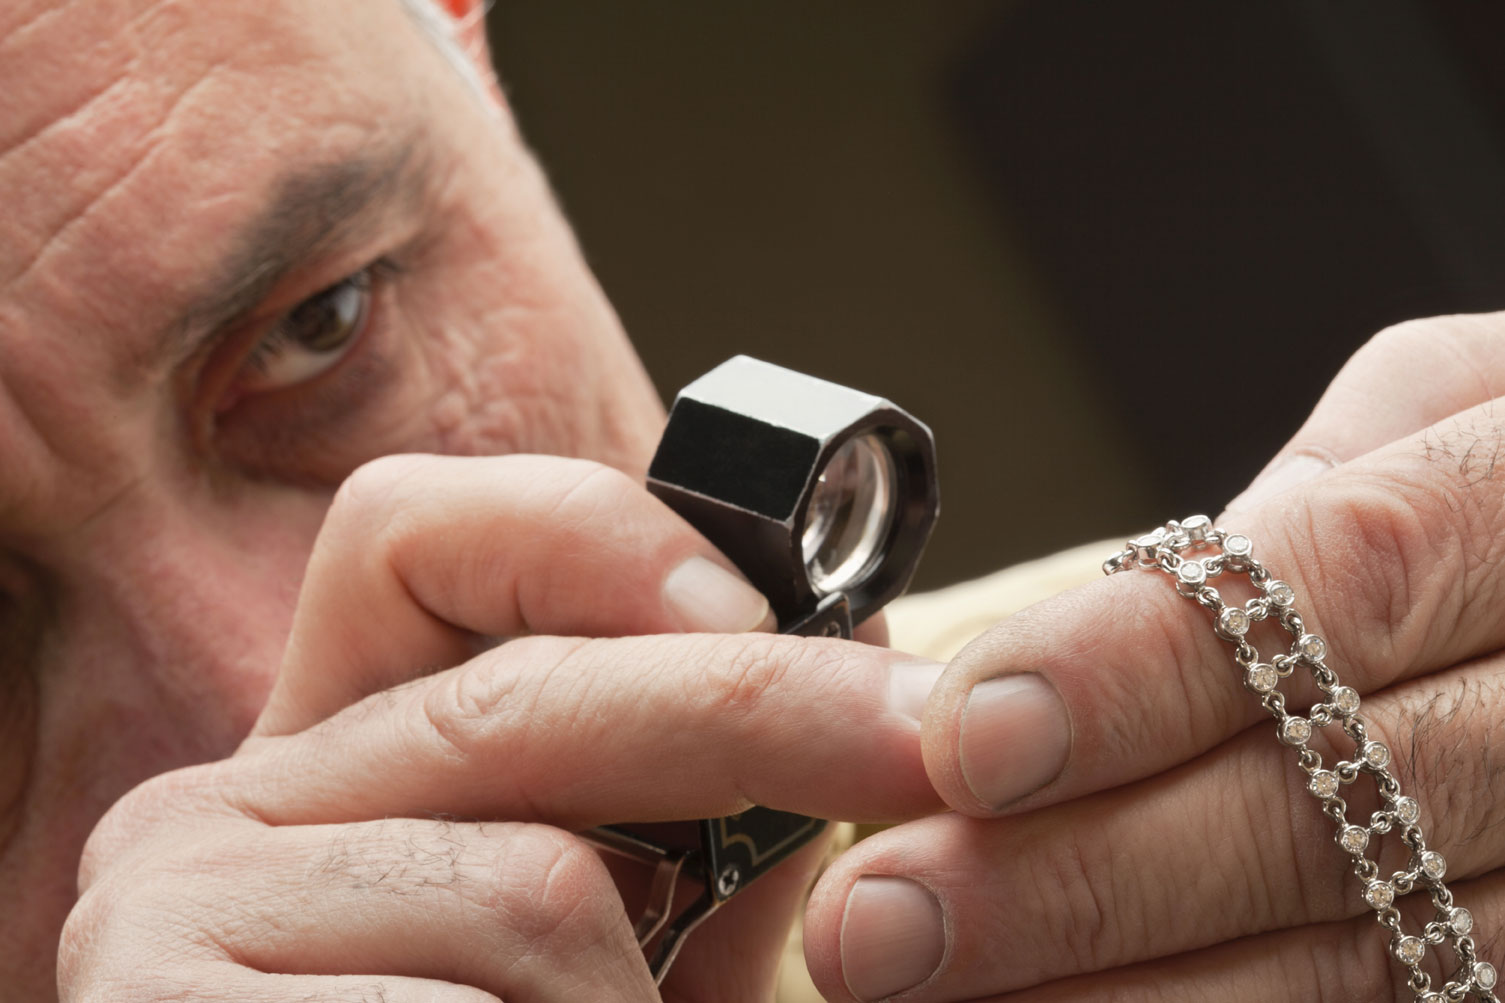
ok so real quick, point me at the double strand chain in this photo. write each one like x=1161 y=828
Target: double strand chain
x=1177 y=549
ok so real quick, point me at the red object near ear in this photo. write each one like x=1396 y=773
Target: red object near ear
x=459 y=9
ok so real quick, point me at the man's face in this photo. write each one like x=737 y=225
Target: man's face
x=245 y=246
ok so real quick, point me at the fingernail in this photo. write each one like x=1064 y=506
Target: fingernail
x=1293 y=470
x=893 y=937
x=909 y=686
x=707 y=597
x=1015 y=738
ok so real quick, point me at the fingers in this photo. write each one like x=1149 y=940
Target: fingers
x=580 y=733
x=1394 y=562
x=517 y=911
x=217 y=983
x=1235 y=847
x=1406 y=378
x=1347 y=960
x=421 y=554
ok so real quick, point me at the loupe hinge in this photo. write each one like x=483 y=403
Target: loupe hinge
x=832 y=618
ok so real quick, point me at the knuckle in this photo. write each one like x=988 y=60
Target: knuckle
x=1443 y=757
x=592 y=489
x=742 y=674
x=377 y=485
x=1471 y=339
x=143 y=811
x=1380 y=548
x=83 y=933
x=1077 y=871
x=552 y=890
x=488 y=701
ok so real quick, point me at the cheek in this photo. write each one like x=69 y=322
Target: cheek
x=508 y=389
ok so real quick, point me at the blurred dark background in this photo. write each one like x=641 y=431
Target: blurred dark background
x=1110 y=252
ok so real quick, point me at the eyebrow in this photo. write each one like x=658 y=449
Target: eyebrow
x=312 y=209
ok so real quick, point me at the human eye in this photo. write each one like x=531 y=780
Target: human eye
x=311 y=338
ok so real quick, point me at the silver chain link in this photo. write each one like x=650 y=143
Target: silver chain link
x=1194 y=552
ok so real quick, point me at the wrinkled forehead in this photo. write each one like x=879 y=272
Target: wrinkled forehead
x=143 y=129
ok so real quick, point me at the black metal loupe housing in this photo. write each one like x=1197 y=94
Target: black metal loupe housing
x=824 y=497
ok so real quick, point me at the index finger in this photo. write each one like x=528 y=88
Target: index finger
x=421 y=555
x=578 y=733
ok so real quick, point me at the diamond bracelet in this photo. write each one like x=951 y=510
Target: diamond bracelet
x=1177 y=550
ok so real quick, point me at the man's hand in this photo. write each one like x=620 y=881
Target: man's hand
x=399 y=827
x=1127 y=826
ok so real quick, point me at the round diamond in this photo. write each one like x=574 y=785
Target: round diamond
x=1311 y=647
x=1346 y=700
x=1433 y=866
x=1237 y=545
x=1379 y=894
x=1353 y=838
x=1407 y=810
x=1410 y=950
x=1262 y=677
x=1376 y=755
x=1280 y=593
x=1234 y=620
x=1295 y=730
x=1484 y=975
x=1191 y=573
x=1462 y=922
x=1324 y=784
x=1196 y=527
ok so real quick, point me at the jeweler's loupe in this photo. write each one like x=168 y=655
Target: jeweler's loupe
x=824 y=497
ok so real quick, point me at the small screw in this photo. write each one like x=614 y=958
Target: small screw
x=727 y=883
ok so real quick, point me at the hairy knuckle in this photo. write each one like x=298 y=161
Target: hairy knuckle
x=1444 y=753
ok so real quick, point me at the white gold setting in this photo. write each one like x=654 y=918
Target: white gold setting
x=1219 y=552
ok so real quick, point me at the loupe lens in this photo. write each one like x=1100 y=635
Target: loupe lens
x=849 y=514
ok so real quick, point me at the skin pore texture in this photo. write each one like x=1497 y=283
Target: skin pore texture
x=155 y=521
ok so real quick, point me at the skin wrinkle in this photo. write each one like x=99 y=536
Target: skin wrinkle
x=73 y=116
x=151 y=143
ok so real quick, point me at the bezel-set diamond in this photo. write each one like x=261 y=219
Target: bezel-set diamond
x=1354 y=838
x=1311 y=647
x=1234 y=621
x=1375 y=755
x=1261 y=677
x=1162 y=550
x=1379 y=894
x=1295 y=730
x=1324 y=784
x=1279 y=593
x=1410 y=950
x=1191 y=573
x=1197 y=527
